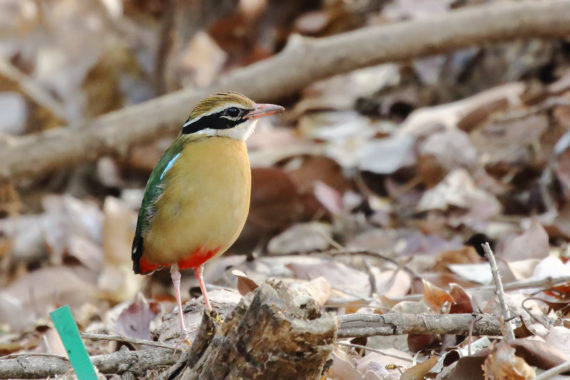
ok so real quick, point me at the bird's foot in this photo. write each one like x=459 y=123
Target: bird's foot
x=185 y=336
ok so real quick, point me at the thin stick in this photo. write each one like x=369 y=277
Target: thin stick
x=119 y=338
x=29 y=87
x=38 y=354
x=506 y=325
x=373 y=350
x=361 y=325
x=554 y=371
x=376 y=255
x=548 y=282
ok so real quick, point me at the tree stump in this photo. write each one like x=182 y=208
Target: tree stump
x=273 y=333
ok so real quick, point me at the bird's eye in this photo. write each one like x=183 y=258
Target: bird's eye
x=232 y=112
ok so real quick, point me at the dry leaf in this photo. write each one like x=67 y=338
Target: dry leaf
x=436 y=298
x=340 y=276
x=134 y=320
x=36 y=293
x=452 y=149
x=393 y=284
x=502 y=363
x=343 y=367
x=461 y=300
x=302 y=237
x=418 y=371
x=539 y=353
x=479 y=273
x=118 y=282
x=387 y=155
x=318 y=289
x=531 y=244
x=459 y=190
x=466 y=368
x=244 y=283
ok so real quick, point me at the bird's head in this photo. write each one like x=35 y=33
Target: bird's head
x=228 y=115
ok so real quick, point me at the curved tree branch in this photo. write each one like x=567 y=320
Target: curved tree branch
x=303 y=61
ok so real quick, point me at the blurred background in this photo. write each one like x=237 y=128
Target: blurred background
x=420 y=160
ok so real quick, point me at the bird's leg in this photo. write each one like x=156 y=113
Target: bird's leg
x=175 y=275
x=199 y=273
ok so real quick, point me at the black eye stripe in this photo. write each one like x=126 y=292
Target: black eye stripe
x=218 y=120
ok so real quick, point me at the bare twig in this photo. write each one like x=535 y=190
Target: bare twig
x=508 y=333
x=28 y=354
x=119 y=338
x=564 y=367
x=544 y=283
x=359 y=325
x=352 y=325
x=549 y=103
x=373 y=350
x=376 y=255
x=30 y=366
x=34 y=91
x=302 y=61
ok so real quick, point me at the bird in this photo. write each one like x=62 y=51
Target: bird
x=197 y=197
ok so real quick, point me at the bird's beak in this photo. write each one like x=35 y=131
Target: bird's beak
x=262 y=110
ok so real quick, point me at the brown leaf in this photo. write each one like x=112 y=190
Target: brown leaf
x=436 y=298
x=466 y=368
x=461 y=300
x=503 y=364
x=275 y=204
x=459 y=190
x=38 y=292
x=451 y=148
x=339 y=275
x=559 y=338
x=418 y=371
x=538 y=353
x=390 y=283
x=507 y=143
x=465 y=255
x=422 y=342
x=318 y=169
x=244 y=283
x=134 y=321
x=302 y=237
x=531 y=244
x=387 y=155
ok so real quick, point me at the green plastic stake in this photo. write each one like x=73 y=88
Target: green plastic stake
x=76 y=352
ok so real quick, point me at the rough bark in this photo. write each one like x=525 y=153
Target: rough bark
x=302 y=62
x=361 y=325
x=275 y=333
x=123 y=361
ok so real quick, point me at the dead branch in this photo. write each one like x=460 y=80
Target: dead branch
x=303 y=61
x=119 y=338
x=265 y=320
x=122 y=361
x=372 y=349
x=506 y=324
x=361 y=325
x=34 y=91
x=274 y=333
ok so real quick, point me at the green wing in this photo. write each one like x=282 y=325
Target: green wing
x=152 y=192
